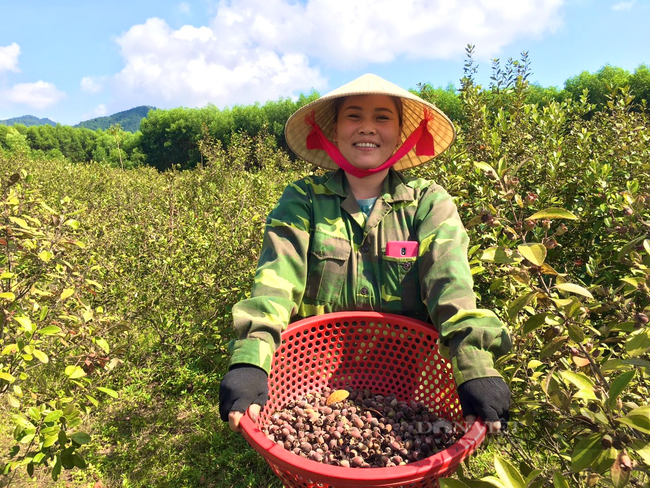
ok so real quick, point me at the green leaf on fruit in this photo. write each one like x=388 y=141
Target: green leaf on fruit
x=553 y=213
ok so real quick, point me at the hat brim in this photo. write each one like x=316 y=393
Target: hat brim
x=413 y=107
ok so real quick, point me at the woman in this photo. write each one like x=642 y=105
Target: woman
x=367 y=238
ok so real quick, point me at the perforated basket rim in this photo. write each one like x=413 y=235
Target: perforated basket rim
x=432 y=466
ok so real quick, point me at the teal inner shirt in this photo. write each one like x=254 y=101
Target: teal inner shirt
x=366 y=205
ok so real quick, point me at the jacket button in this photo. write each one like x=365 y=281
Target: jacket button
x=364 y=249
x=364 y=291
x=406 y=266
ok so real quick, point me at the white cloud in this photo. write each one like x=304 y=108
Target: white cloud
x=184 y=7
x=256 y=50
x=194 y=66
x=100 y=110
x=9 y=57
x=624 y=5
x=92 y=84
x=37 y=95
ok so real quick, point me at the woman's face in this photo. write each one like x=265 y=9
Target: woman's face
x=367 y=130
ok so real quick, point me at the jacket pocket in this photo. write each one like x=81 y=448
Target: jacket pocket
x=327 y=267
x=400 y=290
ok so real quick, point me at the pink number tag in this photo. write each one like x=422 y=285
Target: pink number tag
x=402 y=249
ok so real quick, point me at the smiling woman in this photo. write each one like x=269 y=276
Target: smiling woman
x=366 y=237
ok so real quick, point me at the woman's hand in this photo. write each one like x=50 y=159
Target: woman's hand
x=242 y=387
x=488 y=398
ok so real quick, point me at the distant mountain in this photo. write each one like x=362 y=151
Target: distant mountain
x=129 y=119
x=27 y=120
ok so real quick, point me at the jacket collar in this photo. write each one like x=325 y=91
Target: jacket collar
x=395 y=188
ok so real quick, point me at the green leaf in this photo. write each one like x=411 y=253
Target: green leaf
x=67 y=293
x=20 y=222
x=638 y=344
x=519 y=303
x=622 y=364
x=34 y=413
x=508 y=473
x=535 y=322
x=26 y=323
x=551 y=348
x=535 y=253
x=108 y=391
x=559 y=481
x=49 y=330
x=583 y=383
x=7 y=377
x=74 y=372
x=532 y=475
x=573 y=288
x=494 y=481
x=103 y=344
x=485 y=167
x=499 y=255
x=638 y=419
x=41 y=356
x=8 y=296
x=585 y=452
x=642 y=449
x=45 y=256
x=451 y=483
x=575 y=332
x=56 y=470
x=73 y=224
x=553 y=213
x=50 y=440
x=618 y=385
x=53 y=416
x=80 y=438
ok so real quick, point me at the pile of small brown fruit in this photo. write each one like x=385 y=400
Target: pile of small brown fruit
x=359 y=429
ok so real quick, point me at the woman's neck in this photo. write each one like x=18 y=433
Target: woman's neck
x=368 y=187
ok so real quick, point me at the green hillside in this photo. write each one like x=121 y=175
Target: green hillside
x=129 y=119
x=27 y=121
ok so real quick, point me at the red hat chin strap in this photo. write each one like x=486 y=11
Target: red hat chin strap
x=420 y=138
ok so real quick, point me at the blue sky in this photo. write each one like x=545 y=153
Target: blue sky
x=73 y=60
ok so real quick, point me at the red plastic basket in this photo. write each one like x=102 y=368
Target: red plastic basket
x=385 y=353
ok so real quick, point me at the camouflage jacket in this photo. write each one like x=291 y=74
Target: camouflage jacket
x=320 y=254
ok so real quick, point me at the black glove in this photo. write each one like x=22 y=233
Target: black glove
x=488 y=398
x=243 y=385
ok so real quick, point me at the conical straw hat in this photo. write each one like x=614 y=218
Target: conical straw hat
x=440 y=127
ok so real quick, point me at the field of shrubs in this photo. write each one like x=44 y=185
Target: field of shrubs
x=116 y=287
